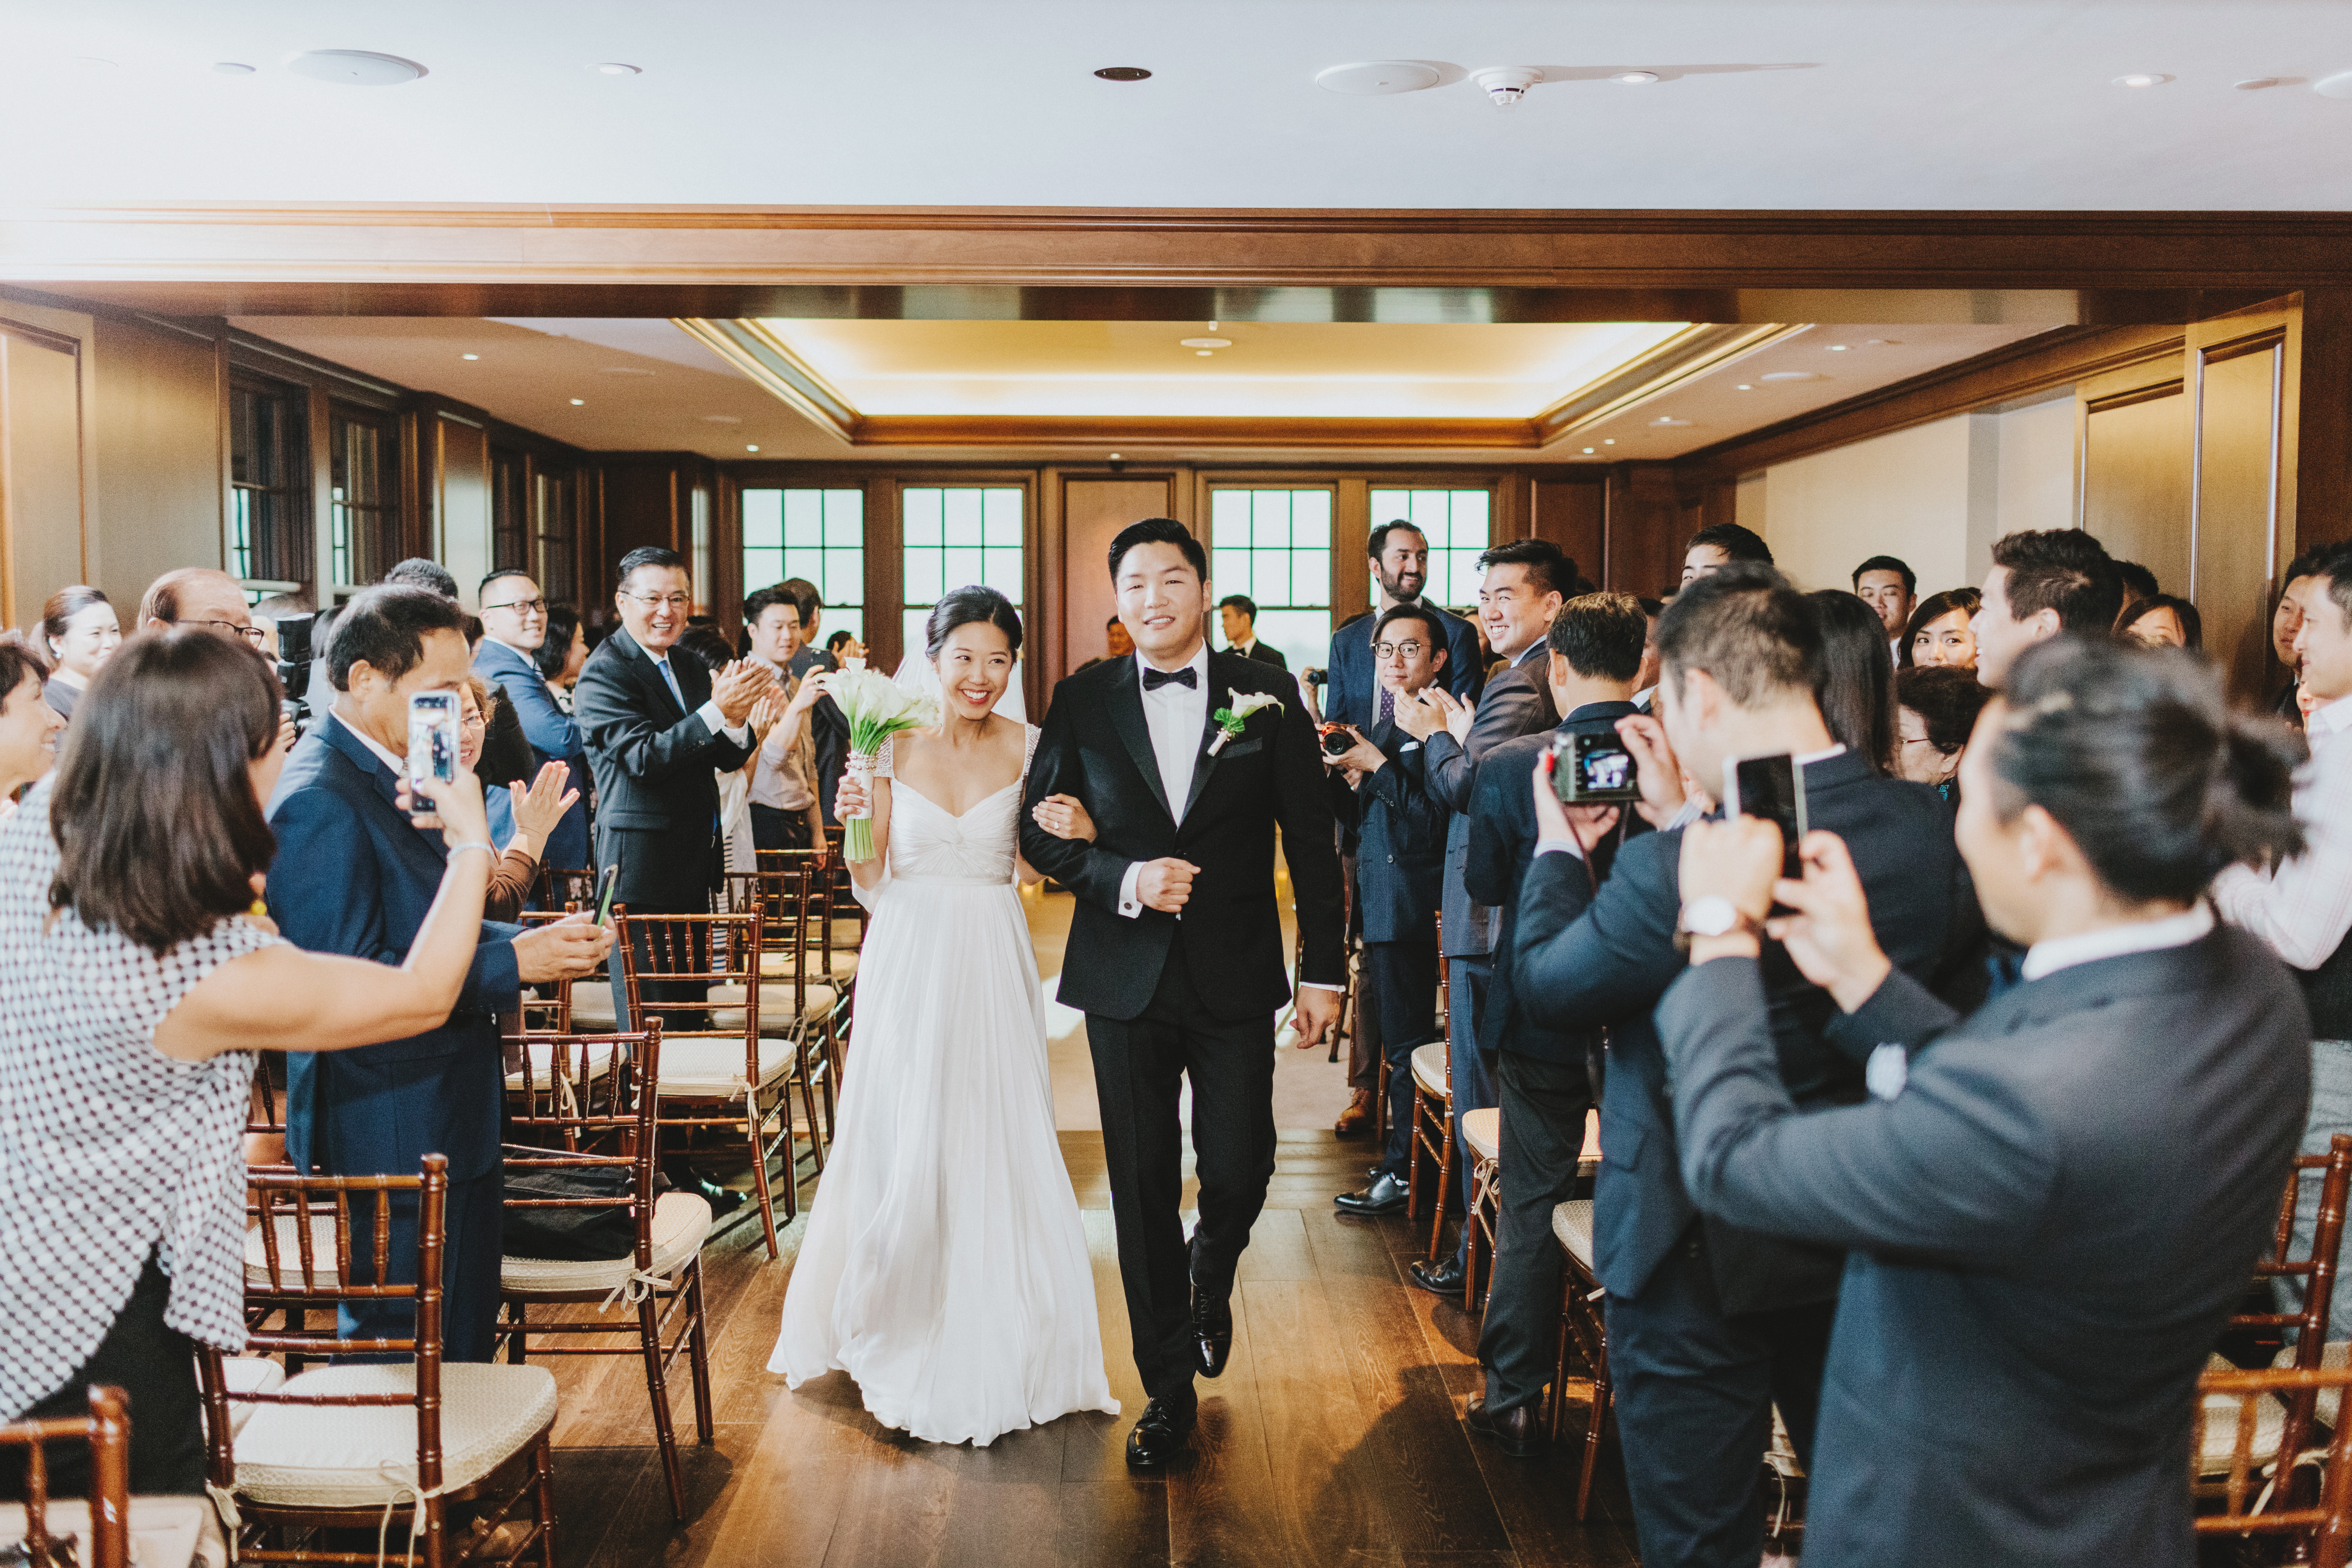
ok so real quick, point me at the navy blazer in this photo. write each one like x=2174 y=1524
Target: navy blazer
x=1352 y=694
x=2045 y=1227
x=554 y=738
x=1516 y=702
x=352 y=875
x=1603 y=963
x=1503 y=836
x=1400 y=854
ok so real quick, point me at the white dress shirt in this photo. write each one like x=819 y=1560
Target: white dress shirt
x=2114 y=941
x=1177 y=716
x=398 y=764
x=2303 y=909
x=712 y=719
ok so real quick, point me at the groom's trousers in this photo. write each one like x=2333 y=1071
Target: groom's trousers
x=1140 y=1064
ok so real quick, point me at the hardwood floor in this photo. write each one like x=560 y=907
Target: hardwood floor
x=1334 y=1436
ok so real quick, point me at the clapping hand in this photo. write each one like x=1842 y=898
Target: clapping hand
x=538 y=809
x=1064 y=816
x=738 y=686
x=764 y=713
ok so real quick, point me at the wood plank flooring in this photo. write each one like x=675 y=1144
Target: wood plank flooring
x=1334 y=1436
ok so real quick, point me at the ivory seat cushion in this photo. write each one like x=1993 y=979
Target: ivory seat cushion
x=165 y=1531
x=541 y=1057
x=339 y=1456
x=681 y=1222
x=1571 y=1222
x=2216 y=1425
x=1429 y=1072
x=776 y=1011
x=784 y=966
x=248 y=1374
x=1483 y=1132
x=592 y=1007
x=713 y=1069
x=324 y=1269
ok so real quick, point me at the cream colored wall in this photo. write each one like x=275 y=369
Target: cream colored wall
x=1935 y=496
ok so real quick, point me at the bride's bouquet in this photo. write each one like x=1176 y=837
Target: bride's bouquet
x=877 y=707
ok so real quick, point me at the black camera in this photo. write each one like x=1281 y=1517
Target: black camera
x=1336 y=739
x=1594 y=770
x=1316 y=677
x=294 y=667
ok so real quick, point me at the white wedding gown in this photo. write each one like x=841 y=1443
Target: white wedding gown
x=945 y=1266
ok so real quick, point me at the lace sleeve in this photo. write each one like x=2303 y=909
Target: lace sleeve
x=882 y=759
x=1028 y=753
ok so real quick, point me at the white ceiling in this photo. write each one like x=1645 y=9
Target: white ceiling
x=1874 y=104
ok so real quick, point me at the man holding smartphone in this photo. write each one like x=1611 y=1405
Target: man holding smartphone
x=1710 y=1326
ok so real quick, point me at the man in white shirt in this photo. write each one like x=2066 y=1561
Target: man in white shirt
x=1889 y=586
x=2303 y=909
x=784 y=810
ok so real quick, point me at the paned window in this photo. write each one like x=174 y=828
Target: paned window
x=956 y=535
x=1457 y=523
x=363 y=530
x=812 y=533
x=553 y=554
x=1274 y=546
x=269 y=527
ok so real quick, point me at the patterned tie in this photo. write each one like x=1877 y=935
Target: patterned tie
x=1388 y=705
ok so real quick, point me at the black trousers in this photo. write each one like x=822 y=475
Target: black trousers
x=1695 y=1394
x=155 y=1365
x=1543 y=1105
x=1401 y=977
x=469 y=1270
x=1140 y=1066
x=774 y=828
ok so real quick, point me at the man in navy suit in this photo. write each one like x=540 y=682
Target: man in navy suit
x=1400 y=564
x=354 y=875
x=1711 y=1325
x=514 y=623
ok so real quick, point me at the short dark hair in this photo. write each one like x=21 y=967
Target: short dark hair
x=2136 y=753
x=1376 y=543
x=645 y=555
x=2333 y=562
x=971 y=605
x=1110 y=623
x=2139 y=581
x=384 y=627
x=159 y=831
x=2064 y=569
x=417 y=572
x=804 y=597
x=1946 y=700
x=1930 y=610
x=1601 y=636
x=1885 y=564
x=837 y=639
x=63 y=607
x=1749 y=630
x=1414 y=610
x=1241 y=602
x=1652 y=608
x=766 y=599
x=2192 y=624
x=1736 y=543
x=1548 y=567
x=1854 y=685
x=710 y=645
x=1159 y=531
x=2299 y=567
x=481 y=590
x=20 y=662
x=555 y=648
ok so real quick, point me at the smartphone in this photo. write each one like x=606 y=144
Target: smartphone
x=432 y=744
x=1774 y=789
x=604 y=894
x=1594 y=770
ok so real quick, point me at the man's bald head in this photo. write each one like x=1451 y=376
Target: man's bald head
x=192 y=595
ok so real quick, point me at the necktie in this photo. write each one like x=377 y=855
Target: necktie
x=1153 y=679
x=671 y=675
x=1388 y=706
x=2007 y=969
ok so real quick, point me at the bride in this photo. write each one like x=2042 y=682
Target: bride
x=945 y=1266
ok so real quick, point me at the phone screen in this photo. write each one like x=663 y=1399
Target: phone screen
x=432 y=743
x=1594 y=770
x=605 y=895
x=1774 y=789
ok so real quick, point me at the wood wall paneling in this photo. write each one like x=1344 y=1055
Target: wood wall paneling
x=461 y=498
x=1645 y=527
x=2137 y=458
x=2236 y=556
x=1093 y=509
x=41 y=496
x=1573 y=514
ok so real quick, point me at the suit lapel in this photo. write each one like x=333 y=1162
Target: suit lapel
x=1125 y=703
x=650 y=676
x=354 y=751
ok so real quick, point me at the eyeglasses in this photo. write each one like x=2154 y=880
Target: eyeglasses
x=253 y=635
x=658 y=601
x=476 y=721
x=522 y=606
x=1399 y=649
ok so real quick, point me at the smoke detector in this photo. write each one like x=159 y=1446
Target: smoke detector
x=1506 y=85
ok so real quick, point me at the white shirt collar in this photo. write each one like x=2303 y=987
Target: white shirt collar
x=398 y=764
x=650 y=655
x=1198 y=665
x=526 y=654
x=2114 y=941
x=1810 y=758
x=2333 y=720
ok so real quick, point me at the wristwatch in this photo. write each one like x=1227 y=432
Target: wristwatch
x=1713 y=915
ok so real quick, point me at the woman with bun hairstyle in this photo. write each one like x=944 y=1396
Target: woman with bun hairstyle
x=1938 y=632
x=79 y=634
x=2048 y=1215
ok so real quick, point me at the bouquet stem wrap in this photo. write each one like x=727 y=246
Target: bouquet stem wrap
x=877 y=708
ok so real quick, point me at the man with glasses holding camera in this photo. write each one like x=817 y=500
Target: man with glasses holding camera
x=514 y=624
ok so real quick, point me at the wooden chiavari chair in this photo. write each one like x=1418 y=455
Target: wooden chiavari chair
x=346 y=1446
x=607 y=1120
x=49 y=1533
x=1482 y=1141
x=1580 y=1321
x=2319 y=1531
x=796 y=950
x=1430 y=1137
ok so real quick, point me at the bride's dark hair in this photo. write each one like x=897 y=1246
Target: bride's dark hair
x=966 y=606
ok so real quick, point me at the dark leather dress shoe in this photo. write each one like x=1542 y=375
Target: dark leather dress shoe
x=1515 y=1431
x=1213 y=1328
x=1385 y=1196
x=1160 y=1435
x=723 y=1201
x=1438 y=1278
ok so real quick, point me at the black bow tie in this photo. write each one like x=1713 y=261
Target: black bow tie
x=1153 y=679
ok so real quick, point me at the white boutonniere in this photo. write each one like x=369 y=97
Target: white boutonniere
x=1230 y=720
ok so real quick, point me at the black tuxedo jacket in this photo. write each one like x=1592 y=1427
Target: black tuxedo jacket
x=1400 y=854
x=1264 y=653
x=1095 y=745
x=1503 y=835
x=1605 y=962
x=656 y=794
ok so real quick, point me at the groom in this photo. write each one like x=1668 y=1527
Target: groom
x=1176 y=953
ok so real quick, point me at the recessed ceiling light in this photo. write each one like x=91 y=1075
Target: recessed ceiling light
x=1587 y=451
x=1635 y=79
x=94 y=62
x=617 y=68
x=1669 y=420
x=1611 y=441
x=723 y=418
x=1377 y=79
x=232 y=68
x=469 y=356
x=355 y=68
x=1880 y=342
x=1203 y=353
x=579 y=403
x=1792 y=375
x=2336 y=86
x=624 y=370
x=1837 y=348
x=2143 y=79
x=1204 y=343
x=751 y=448
x=1124 y=73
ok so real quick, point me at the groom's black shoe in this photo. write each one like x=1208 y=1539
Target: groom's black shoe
x=1385 y=1196
x=1159 y=1436
x=1213 y=1326
x=1439 y=1278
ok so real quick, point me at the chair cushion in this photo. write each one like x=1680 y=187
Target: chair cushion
x=165 y=1531
x=2334 y=1353
x=1430 y=1074
x=2217 y=1435
x=1483 y=1132
x=541 y=1055
x=713 y=1069
x=592 y=1007
x=1571 y=1222
x=248 y=1374
x=681 y=1222
x=776 y=1008
x=781 y=965
x=340 y=1456
x=323 y=1271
